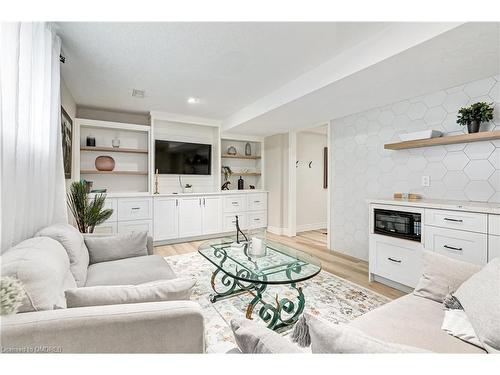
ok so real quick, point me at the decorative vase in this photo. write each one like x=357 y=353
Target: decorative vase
x=105 y=163
x=473 y=127
x=90 y=141
x=241 y=184
x=231 y=150
x=248 y=149
x=116 y=142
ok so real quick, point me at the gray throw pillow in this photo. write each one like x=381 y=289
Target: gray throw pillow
x=119 y=246
x=253 y=338
x=480 y=298
x=162 y=290
x=442 y=275
x=334 y=338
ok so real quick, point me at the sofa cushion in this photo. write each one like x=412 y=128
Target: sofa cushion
x=343 y=338
x=480 y=298
x=413 y=321
x=457 y=324
x=130 y=271
x=162 y=290
x=72 y=240
x=442 y=275
x=254 y=338
x=42 y=266
x=120 y=246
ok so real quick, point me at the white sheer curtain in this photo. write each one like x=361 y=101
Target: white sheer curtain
x=32 y=181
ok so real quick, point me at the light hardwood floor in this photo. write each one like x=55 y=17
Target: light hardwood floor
x=312 y=242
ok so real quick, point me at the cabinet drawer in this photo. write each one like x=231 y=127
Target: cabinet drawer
x=257 y=219
x=235 y=203
x=494 y=224
x=257 y=202
x=107 y=228
x=493 y=247
x=135 y=226
x=134 y=209
x=229 y=222
x=396 y=260
x=470 y=221
x=461 y=245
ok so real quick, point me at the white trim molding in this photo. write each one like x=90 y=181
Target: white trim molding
x=313 y=226
x=179 y=117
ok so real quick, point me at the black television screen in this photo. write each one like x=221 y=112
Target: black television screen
x=182 y=158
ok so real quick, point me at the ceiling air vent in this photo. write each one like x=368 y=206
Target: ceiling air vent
x=138 y=93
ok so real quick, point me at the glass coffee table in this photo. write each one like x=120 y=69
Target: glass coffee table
x=237 y=272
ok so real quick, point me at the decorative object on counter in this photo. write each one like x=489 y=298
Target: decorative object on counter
x=225 y=185
x=105 y=163
x=90 y=141
x=424 y=134
x=226 y=170
x=252 y=187
x=67 y=142
x=88 y=185
x=115 y=142
x=11 y=295
x=241 y=184
x=88 y=212
x=310 y=164
x=157 y=190
x=407 y=196
x=231 y=150
x=248 y=149
x=414 y=196
x=474 y=115
x=97 y=191
x=188 y=188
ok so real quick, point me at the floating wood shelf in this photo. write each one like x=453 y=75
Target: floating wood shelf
x=247 y=174
x=226 y=156
x=447 y=140
x=132 y=173
x=115 y=149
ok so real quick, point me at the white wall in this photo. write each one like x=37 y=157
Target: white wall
x=312 y=198
x=362 y=168
x=114 y=116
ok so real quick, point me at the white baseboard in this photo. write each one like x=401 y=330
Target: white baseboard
x=314 y=226
x=275 y=230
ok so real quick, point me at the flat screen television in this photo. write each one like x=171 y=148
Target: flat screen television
x=182 y=158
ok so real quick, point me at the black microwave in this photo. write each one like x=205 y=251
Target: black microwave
x=405 y=225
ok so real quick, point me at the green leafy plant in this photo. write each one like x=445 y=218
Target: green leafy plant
x=227 y=172
x=480 y=112
x=87 y=212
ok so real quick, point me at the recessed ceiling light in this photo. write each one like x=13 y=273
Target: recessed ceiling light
x=138 y=93
x=193 y=100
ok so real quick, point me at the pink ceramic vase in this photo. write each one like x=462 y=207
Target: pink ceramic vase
x=104 y=163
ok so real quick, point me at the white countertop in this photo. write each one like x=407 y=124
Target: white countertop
x=468 y=206
x=173 y=194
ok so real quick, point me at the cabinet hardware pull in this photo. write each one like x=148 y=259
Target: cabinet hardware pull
x=455 y=220
x=256 y=201
x=453 y=248
x=234 y=203
x=176 y=203
x=394 y=260
x=135 y=208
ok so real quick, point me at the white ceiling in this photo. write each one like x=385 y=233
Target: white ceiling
x=227 y=65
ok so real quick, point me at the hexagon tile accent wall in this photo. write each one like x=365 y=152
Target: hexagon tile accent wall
x=362 y=169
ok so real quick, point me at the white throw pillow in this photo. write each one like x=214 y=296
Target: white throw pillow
x=480 y=298
x=119 y=246
x=442 y=275
x=162 y=290
x=457 y=324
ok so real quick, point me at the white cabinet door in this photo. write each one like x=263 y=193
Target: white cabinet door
x=257 y=202
x=229 y=222
x=235 y=203
x=211 y=215
x=135 y=226
x=190 y=220
x=134 y=209
x=257 y=219
x=166 y=218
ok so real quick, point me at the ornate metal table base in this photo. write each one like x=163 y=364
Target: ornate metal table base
x=278 y=315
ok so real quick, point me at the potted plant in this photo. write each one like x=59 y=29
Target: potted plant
x=87 y=212
x=474 y=115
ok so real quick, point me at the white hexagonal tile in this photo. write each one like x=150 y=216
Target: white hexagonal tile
x=479 y=169
x=386 y=117
x=417 y=125
x=435 y=99
x=449 y=123
x=400 y=107
x=455 y=101
x=457 y=147
x=495 y=198
x=435 y=170
x=479 y=150
x=455 y=180
x=386 y=133
x=401 y=122
x=435 y=115
x=495 y=158
x=480 y=191
x=386 y=165
x=494 y=180
x=372 y=127
x=455 y=161
x=360 y=139
x=437 y=190
x=361 y=151
x=361 y=124
x=456 y=195
x=416 y=163
x=436 y=153
x=495 y=92
x=454 y=89
x=478 y=88
x=372 y=114
x=416 y=110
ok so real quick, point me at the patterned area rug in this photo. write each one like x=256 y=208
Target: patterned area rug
x=327 y=296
